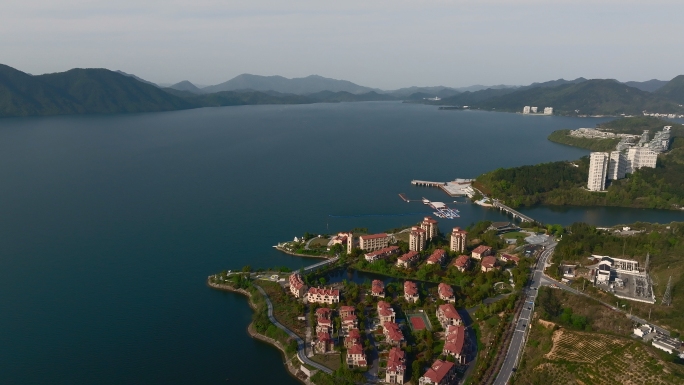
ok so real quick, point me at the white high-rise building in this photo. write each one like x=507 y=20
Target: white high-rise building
x=617 y=165
x=526 y=110
x=598 y=170
x=638 y=157
x=548 y=110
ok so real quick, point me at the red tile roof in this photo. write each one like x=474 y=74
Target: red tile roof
x=322 y=336
x=393 y=331
x=481 y=249
x=373 y=236
x=436 y=256
x=461 y=261
x=324 y=291
x=438 y=371
x=377 y=287
x=449 y=311
x=347 y=309
x=458 y=230
x=455 y=338
x=488 y=262
x=383 y=252
x=396 y=361
x=410 y=288
x=429 y=220
x=409 y=256
x=354 y=334
x=355 y=349
x=445 y=290
x=509 y=257
x=296 y=281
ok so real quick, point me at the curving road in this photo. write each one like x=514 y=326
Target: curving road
x=522 y=322
x=301 y=352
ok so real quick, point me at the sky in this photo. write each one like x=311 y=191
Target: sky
x=375 y=43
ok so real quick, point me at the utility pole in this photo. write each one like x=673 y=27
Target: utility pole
x=667 y=298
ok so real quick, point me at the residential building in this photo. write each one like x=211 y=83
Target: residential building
x=385 y=312
x=455 y=342
x=617 y=165
x=393 y=334
x=349 y=322
x=437 y=257
x=411 y=292
x=488 y=264
x=408 y=260
x=378 y=288
x=373 y=242
x=323 y=343
x=446 y=293
x=638 y=157
x=318 y=295
x=447 y=315
x=353 y=338
x=509 y=258
x=297 y=286
x=481 y=251
x=598 y=171
x=323 y=320
x=396 y=366
x=340 y=239
x=548 y=110
x=355 y=356
x=347 y=310
x=440 y=373
x=417 y=238
x=430 y=227
x=462 y=262
x=381 y=254
x=458 y=240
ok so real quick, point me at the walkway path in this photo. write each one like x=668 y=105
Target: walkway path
x=301 y=346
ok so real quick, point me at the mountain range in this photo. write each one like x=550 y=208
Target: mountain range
x=98 y=91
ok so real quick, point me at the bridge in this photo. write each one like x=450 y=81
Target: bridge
x=427 y=183
x=514 y=213
x=316 y=266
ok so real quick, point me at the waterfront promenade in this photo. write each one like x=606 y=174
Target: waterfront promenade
x=301 y=345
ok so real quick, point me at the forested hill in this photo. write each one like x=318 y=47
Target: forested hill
x=593 y=97
x=80 y=91
x=101 y=91
x=564 y=183
x=575 y=98
x=673 y=90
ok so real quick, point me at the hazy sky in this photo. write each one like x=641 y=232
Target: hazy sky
x=377 y=43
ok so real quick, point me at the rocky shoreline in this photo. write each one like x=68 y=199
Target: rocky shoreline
x=291 y=368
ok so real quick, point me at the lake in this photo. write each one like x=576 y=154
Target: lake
x=109 y=225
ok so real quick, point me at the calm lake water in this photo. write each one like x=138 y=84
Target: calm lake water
x=109 y=225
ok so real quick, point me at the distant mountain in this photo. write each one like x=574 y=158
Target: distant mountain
x=591 y=97
x=299 y=86
x=479 y=87
x=186 y=86
x=80 y=91
x=477 y=97
x=649 y=85
x=342 y=96
x=137 y=78
x=431 y=92
x=673 y=90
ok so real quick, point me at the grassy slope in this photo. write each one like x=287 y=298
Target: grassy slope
x=605 y=348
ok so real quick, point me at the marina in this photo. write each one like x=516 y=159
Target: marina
x=456 y=188
x=442 y=210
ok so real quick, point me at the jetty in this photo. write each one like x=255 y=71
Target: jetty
x=456 y=188
x=427 y=183
x=514 y=213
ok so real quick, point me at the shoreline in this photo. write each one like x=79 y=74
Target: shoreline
x=291 y=368
x=300 y=255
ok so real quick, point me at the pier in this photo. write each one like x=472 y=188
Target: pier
x=514 y=213
x=427 y=183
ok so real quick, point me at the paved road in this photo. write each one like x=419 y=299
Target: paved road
x=522 y=323
x=301 y=349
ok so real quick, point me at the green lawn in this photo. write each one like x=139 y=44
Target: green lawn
x=515 y=234
x=330 y=360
